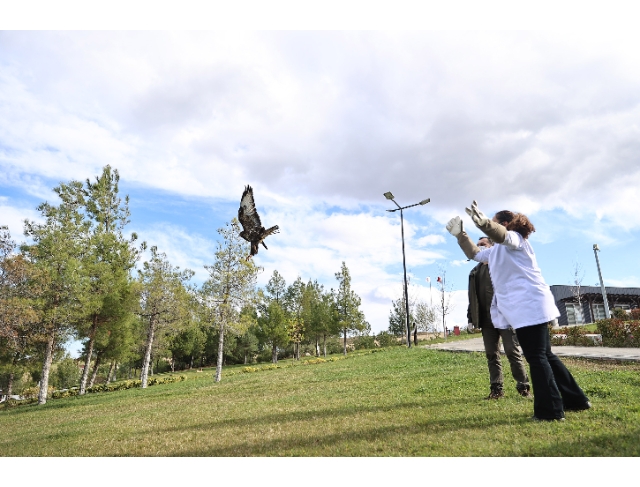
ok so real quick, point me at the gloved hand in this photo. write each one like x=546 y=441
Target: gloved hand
x=454 y=227
x=476 y=215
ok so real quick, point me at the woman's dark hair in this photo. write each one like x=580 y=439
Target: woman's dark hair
x=516 y=222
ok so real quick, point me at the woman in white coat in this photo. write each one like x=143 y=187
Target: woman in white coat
x=523 y=301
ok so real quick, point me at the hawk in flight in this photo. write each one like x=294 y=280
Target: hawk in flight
x=252 y=230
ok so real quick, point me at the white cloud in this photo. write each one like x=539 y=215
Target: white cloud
x=14 y=218
x=430 y=240
x=323 y=123
x=313 y=244
x=530 y=121
x=630 y=281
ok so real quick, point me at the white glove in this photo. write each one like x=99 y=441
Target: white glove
x=454 y=227
x=476 y=215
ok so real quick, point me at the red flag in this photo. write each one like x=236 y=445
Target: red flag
x=439 y=279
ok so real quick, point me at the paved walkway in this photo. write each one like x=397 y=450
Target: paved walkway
x=598 y=353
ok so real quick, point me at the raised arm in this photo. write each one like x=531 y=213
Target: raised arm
x=491 y=229
x=455 y=228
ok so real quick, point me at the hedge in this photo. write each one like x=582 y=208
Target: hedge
x=119 y=386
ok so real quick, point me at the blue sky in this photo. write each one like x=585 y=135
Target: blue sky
x=321 y=124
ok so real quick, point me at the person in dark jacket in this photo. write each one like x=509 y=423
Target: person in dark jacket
x=479 y=316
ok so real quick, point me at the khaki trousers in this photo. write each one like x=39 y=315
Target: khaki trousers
x=491 y=337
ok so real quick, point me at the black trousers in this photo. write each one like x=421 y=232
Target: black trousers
x=554 y=388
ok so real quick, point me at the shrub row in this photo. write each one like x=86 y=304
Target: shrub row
x=619 y=333
x=9 y=403
x=33 y=392
x=119 y=386
x=575 y=336
x=318 y=360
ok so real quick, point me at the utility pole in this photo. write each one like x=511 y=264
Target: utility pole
x=607 y=314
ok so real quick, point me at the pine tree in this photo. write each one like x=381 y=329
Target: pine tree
x=59 y=281
x=273 y=325
x=230 y=286
x=165 y=301
x=274 y=322
x=108 y=259
x=397 y=317
x=348 y=304
x=248 y=344
x=320 y=314
x=293 y=304
x=17 y=315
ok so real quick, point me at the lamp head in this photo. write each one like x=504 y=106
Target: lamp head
x=388 y=195
x=424 y=202
x=595 y=247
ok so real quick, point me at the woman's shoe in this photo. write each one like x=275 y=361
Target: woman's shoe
x=535 y=418
x=584 y=407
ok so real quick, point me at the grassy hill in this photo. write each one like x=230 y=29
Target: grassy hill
x=394 y=402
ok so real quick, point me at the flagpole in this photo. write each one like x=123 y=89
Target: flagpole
x=444 y=329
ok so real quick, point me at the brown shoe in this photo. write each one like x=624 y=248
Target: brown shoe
x=495 y=394
x=524 y=392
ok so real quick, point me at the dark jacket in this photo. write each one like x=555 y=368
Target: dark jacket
x=480 y=296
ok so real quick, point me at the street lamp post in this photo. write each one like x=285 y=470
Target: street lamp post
x=389 y=196
x=607 y=314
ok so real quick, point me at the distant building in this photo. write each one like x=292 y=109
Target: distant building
x=592 y=308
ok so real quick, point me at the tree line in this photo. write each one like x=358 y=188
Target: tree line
x=423 y=316
x=80 y=276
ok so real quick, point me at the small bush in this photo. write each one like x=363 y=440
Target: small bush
x=314 y=361
x=334 y=345
x=162 y=380
x=573 y=336
x=33 y=392
x=635 y=314
x=64 y=393
x=633 y=328
x=576 y=336
x=618 y=333
x=619 y=313
x=555 y=336
x=124 y=384
x=10 y=403
x=386 y=339
x=364 y=342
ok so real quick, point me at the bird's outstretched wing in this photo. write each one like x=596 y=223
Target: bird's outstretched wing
x=248 y=216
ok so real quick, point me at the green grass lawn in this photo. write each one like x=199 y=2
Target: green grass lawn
x=396 y=402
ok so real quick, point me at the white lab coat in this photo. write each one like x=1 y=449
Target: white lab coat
x=520 y=295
